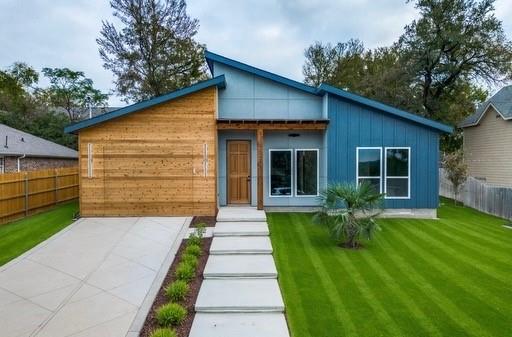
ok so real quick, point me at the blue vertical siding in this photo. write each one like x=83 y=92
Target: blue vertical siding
x=352 y=125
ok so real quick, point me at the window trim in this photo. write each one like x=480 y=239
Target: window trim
x=408 y=148
x=380 y=168
x=2 y=165
x=317 y=174
x=270 y=173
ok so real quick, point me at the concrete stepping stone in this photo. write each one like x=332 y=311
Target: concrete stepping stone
x=241 y=245
x=240 y=266
x=241 y=229
x=237 y=214
x=239 y=295
x=239 y=325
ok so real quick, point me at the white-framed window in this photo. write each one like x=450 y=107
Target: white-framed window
x=280 y=172
x=89 y=160
x=397 y=170
x=369 y=166
x=2 y=165
x=306 y=172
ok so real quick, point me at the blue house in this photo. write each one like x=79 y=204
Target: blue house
x=269 y=142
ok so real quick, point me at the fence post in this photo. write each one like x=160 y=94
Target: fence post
x=26 y=194
x=55 y=185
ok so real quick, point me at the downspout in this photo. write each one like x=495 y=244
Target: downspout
x=19 y=163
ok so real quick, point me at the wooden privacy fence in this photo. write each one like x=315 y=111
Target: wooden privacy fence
x=477 y=194
x=25 y=193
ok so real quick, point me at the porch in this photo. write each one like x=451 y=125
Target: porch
x=248 y=147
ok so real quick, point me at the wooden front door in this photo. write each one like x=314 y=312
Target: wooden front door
x=239 y=171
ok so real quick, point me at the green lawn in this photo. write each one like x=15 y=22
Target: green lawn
x=447 y=277
x=19 y=236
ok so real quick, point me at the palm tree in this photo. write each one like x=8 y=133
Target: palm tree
x=349 y=210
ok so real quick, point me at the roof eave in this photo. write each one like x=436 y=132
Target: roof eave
x=325 y=88
x=219 y=81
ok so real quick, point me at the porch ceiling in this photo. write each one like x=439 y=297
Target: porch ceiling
x=272 y=124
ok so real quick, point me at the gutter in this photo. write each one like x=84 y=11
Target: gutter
x=19 y=163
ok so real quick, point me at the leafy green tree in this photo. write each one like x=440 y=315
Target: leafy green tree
x=15 y=83
x=71 y=91
x=454 y=42
x=349 y=211
x=154 y=51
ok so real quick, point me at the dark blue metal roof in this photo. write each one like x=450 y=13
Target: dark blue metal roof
x=218 y=81
x=325 y=88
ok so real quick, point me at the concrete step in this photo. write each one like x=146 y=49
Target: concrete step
x=241 y=229
x=239 y=325
x=240 y=214
x=241 y=245
x=239 y=295
x=240 y=266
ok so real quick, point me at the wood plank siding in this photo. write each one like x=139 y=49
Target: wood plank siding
x=488 y=150
x=152 y=162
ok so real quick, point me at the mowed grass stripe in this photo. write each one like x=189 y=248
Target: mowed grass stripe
x=470 y=247
x=467 y=277
x=370 y=296
x=457 y=254
x=450 y=308
x=419 y=316
x=486 y=305
x=283 y=255
x=480 y=240
x=500 y=238
x=327 y=282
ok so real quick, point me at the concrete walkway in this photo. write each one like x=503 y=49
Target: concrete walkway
x=240 y=295
x=90 y=279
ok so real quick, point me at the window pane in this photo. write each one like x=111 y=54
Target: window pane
x=307 y=172
x=280 y=173
x=375 y=182
x=397 y=164
x=397 y=187
x=369 y=162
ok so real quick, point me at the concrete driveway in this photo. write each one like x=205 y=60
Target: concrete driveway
x=89 y=279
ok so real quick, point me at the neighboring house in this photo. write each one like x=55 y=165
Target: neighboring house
x=21 y=151
x=248 y=136
x=488 y=140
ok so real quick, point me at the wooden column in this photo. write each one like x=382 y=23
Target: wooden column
x=259 y=150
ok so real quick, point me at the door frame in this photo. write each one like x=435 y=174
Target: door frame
x=227 y=171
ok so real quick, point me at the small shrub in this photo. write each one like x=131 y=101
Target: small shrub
x=164 y=332
x=196 y=237
x=177 y=290
x=190 y=259
x=193 y=250
x=185 y=272
x=170 y=314
x=193 y=239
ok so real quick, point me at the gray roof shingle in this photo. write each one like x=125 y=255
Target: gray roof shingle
x=501 y=101
x=18 y=143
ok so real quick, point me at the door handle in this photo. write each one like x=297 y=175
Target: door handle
x=248 y=178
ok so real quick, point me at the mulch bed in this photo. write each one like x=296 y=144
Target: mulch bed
x=184 y=329
x=209 y=221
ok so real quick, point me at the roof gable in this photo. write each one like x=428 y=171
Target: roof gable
x=218 y=81
x=501 y=102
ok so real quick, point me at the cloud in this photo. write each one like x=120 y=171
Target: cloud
x=269 y=34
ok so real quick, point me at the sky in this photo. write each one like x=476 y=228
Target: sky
x=269 y=34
